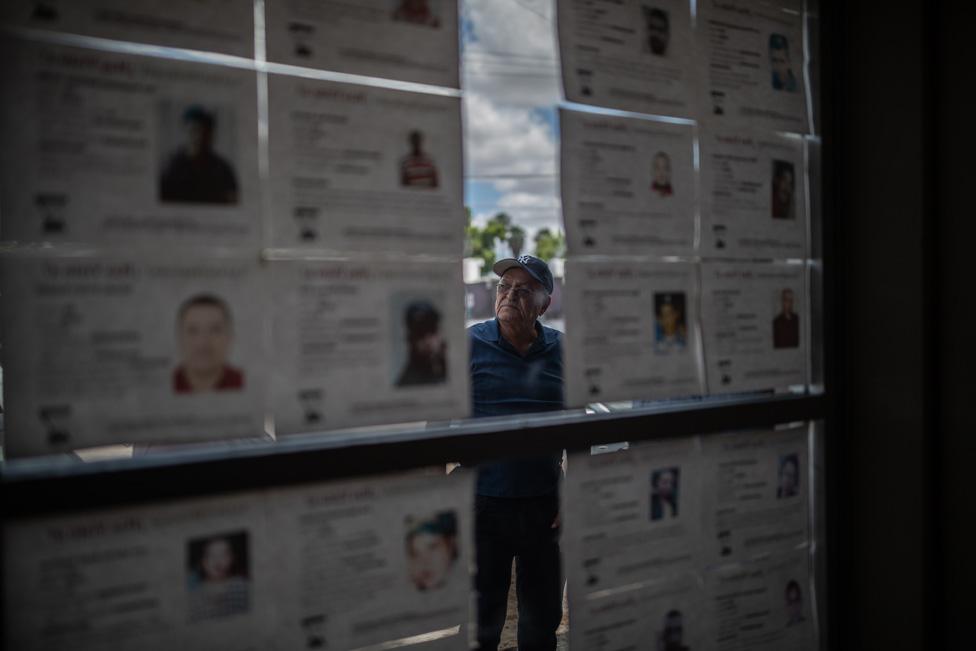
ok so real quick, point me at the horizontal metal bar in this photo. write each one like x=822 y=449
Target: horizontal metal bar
x=41 y=486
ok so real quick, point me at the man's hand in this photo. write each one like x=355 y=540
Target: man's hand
x=557 y=522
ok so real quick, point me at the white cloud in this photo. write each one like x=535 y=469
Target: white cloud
x=513 y=58
x=527 y=200
x=509 y=72
x=545 y=184
x=506 y=139
x=516 y=27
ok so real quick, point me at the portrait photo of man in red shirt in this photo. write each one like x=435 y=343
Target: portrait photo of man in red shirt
x=204 y=333
x=417 y=169
x=417 y=12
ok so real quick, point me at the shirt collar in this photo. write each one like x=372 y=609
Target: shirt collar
x=494 y=333
x=543 y=338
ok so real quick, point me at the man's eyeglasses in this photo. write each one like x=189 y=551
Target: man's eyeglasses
x=517 y=292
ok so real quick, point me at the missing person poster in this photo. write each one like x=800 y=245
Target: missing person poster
x=103 y=147
x=375 y=560
x=408 y=40
x=663 y=616
x=628 y=185
x=193 y=575
x=755 y=494
x=754 y=200
x=367 y=342
x=223 y=26
x=632 y=55
x=631 y=331
x=357 y=168
x=753 y=63
x=109 y=349
x=761 y=606
x=753 y=322
x=631 y=516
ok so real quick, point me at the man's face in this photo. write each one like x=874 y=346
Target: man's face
x=788 y=478
x=658 y=34
x=416 y=142
x=520 y=299
x=779 y=59
x=199 y=137
x=784 y=186
x=662 y=170
x=665 y=484
x=205 y=338
x=429 y=558
x=787 y=301
x=669 y=316
x=217 y=560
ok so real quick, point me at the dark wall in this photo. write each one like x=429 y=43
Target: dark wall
x=899 y=182
x=955 y=266
x=881 y=145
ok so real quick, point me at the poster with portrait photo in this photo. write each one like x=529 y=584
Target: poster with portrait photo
x=631 y=516
x=115 y=349
x=126 y=149
x=768 y=605
x=628 y=185
x=755 y=494
x=661 y=616
x=193 y=574
x=631 y=331
x=670 y=322
x=754 y=198
x=790 y=476
x=632 y=55
x=197 y=162
x=786 y=323
x=753 y=326
x=357 y=168
x=753 y=64
x=655 y=29
x=431 y=546
x=218 y=576
x=419 y=343
x=223 y=26
x=374 y=560
x=783 y=195
x=366 y=343
x=665 y=493
x=423 y=13
x=406 y=40
x=417 y=168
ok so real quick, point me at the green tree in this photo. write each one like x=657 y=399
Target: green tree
x=481 y=241
x=549 y=245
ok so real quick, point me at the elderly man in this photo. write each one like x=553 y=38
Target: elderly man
x=516 y=368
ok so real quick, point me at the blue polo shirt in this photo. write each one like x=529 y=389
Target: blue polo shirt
x=505 y=383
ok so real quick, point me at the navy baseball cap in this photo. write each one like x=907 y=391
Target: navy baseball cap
x=532 y=265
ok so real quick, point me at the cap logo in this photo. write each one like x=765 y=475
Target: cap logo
x=524 y=259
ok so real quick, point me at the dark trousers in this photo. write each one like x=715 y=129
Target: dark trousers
x=519 y=528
